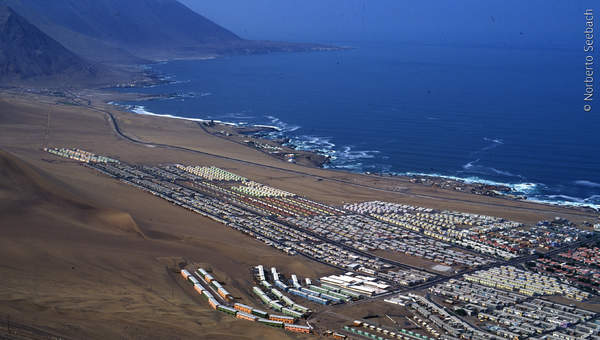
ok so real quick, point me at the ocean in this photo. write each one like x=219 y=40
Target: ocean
x=504 y=115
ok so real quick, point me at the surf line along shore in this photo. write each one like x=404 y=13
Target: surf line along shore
x=588 y=48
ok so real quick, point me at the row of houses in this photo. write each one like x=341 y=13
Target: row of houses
x=213 y=199
x=80 y=155
x=586 y=330
x=401 y=333
x=508 y=314
x=579 y=274
x=368 y=234
x=460 y=237
x=452 y=326
x=261 y=198
x=278 y=235
x=525 y=282
x=211 y=173
x=485 y=234
x=475 y=297
x=204 y=282
x=534 y=318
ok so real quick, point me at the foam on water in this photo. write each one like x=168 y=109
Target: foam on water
x=346 y=158
x=140 y=109
x=268 y=126
x=566 y=203
x=320 y=145
x=185 y=95
x=473 y=167
x=492 y=157
x=340 y=158
x=284 y=127
x=522 y=188
x=470 y=164
x=525 y=187
x=588 y=184
x=233 y=117
x=532 y=191
x=495 y=142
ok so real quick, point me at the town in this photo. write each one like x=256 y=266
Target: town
x=455 y=275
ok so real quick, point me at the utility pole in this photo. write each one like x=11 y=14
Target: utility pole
x=47 y=132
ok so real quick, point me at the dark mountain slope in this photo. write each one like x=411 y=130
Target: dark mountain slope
x=134 y=22
x=117 y=30
x=26 y=52
x=81 y=44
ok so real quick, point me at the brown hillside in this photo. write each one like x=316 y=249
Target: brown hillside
x=23 y=188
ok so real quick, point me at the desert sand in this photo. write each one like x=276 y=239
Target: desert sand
x=83 y=256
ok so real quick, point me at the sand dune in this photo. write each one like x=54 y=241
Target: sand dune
x=84 y=256
x=24 y=188
x=74 y=266
x=117 y=220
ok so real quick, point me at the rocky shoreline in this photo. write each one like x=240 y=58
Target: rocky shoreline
x=255 y=136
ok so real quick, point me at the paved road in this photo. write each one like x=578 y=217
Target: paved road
x=439 y=279
x=428 y=284
x=512 y=262
x=120 y=133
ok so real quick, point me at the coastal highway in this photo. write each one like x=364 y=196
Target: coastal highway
x=115 y=125
x=439 y=279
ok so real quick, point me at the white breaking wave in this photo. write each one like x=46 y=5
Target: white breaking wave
x=520 y=187
x=493 y=140
x=565 y=203
x=589 y=184
x=346 y=159
x=313 y=143
x=470 y=164
x=268 y=126
x=566 y=197
x=340 y=158
x=495 y=143
x=504 y=173
x=140 y=109
x=283 y=126
x=351 y=166
x=348 y=154
x=238 y=116
x=485 y=170
x=528 y=189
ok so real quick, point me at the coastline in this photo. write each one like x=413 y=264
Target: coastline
x=105 y=217
x=247 y=135
x=254 y=136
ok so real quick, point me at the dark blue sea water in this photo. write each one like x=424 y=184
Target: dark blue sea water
x=498 y=114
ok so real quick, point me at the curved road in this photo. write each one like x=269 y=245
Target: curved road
x=439 y=279
x=121 y=134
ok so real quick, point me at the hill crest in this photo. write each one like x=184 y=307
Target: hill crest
x=26 y=52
